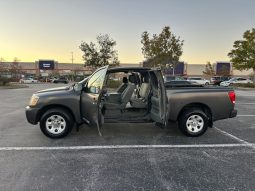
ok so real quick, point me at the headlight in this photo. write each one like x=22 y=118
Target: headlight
x=33 y=101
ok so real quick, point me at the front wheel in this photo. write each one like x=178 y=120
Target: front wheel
x=56 y=123
x=193 y=122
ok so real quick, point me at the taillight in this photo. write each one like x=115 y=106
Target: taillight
x=232 y=96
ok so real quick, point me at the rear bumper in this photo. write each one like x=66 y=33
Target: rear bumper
x=233 y=113
x=31 y=115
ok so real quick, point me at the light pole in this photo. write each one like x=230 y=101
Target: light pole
x=72 y=57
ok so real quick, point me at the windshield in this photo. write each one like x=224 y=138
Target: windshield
x=233 y=79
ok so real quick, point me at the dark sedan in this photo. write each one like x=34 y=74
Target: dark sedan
x=61 y=80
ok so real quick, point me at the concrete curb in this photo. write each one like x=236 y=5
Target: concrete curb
x=243 y=88
x=13 y=87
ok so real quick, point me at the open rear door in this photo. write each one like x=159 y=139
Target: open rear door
x=91 y=99
x=159 y=100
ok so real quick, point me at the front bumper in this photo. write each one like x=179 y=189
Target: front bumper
x=31 y=114
x=233 y=113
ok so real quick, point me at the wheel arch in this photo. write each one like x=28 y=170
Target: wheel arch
x=205 y=108
x=46 y=108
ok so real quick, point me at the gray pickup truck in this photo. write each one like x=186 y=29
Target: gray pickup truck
x=141 y=97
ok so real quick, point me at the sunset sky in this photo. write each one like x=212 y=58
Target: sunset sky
x=51 y=29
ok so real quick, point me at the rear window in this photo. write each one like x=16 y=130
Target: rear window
x=169 y=78
x=195 y=78
x=215 y=78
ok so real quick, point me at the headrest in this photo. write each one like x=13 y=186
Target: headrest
x=132 y=78
x=125 y=80
x=145 y=79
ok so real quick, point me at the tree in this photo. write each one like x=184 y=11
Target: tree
x=15 y=68
x=209 y=71
x=162 y=49
x=3 y=67
x=101 y=54
x=3 y=71
x=243 y=53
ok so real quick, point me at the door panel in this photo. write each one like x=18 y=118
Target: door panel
x=91 y=97
x=159 y=101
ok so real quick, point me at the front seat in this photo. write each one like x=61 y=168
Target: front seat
x=125 y=95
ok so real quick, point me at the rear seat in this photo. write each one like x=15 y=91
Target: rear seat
x=141 y=101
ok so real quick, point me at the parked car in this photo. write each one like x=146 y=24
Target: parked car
x=199 y=80
x=90 y=102
x=28 y=80
x=60 y=80
x=51 y=79
x=171 y=78
x=236 y=80
x=216 y=80
x=181 y=83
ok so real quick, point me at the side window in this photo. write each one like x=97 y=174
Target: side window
x=115 y=80
x=95 y=83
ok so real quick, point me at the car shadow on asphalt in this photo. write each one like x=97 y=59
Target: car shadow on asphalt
x=141 y=134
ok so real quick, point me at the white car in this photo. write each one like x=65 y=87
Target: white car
x=199 y=80
x=237 y=80
x=28 y=80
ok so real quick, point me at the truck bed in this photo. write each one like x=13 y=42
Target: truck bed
x=214 y=99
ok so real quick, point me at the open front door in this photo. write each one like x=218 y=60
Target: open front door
x=91 y=99
x=159 y=100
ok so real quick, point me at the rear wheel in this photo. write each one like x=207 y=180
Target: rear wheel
x=56 y=123
x=193 y=122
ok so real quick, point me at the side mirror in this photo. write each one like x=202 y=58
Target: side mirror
x=93 y=89
x=78 y=87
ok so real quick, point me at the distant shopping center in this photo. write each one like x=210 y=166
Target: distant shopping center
x=45 y=68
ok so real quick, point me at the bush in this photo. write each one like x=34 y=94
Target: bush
x=4 y=81
x=113 y=84
x=250 y=85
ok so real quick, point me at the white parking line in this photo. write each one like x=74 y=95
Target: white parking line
x=236 y=138
x=122 y=147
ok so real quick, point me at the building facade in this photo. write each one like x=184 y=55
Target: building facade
x=33 y=69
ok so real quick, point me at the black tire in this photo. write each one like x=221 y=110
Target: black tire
x=207 y=84
x=186 y=118
x=64 y=114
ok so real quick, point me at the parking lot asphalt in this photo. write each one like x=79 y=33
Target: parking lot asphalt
x=128 y=156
